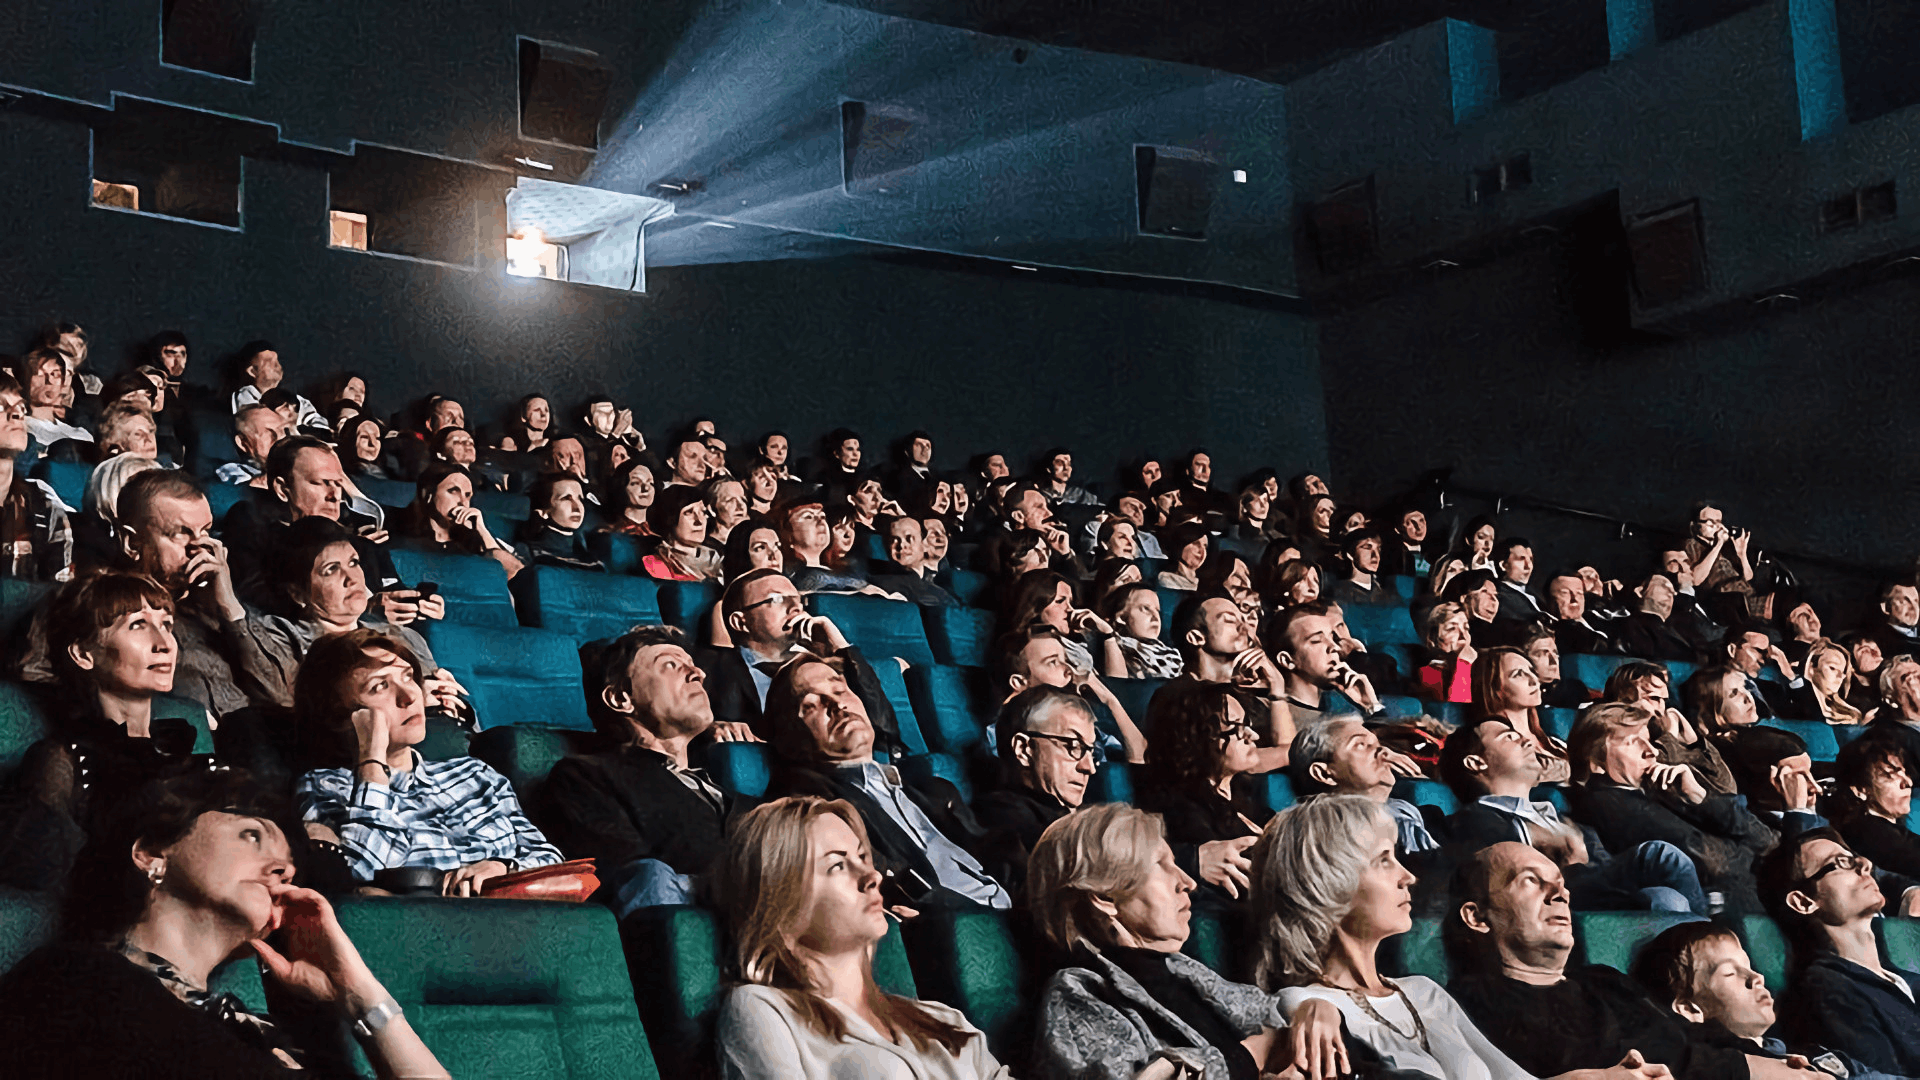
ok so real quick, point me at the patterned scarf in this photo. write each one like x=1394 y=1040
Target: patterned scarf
x=256 y=1031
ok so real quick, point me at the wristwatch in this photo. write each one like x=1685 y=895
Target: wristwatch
x=370 y=1022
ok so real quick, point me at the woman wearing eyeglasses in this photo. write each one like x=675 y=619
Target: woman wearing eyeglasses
x=1198 y=770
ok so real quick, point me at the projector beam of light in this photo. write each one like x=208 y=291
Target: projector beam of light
x=1030 y=163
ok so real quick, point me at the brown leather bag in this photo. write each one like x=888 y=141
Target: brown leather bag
x=571 y=882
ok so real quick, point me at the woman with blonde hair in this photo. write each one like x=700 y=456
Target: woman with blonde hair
x=1105 y=892
x=803 y=900
x=1449 y=638
x=1828 y=670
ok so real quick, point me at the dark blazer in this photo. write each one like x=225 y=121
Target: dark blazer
x=1890 y=845
x=895 y=852
x=1838 y=1003
x=1014 y=818
x=1519 y=604
x=1720 y=835
x=730 y=688
x=625 y=805
x=1649 y=637
x=1572 y=637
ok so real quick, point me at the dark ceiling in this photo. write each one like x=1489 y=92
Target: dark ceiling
x=1260 y=38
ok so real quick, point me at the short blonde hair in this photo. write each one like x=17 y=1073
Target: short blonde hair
x=1890 y=677
x=107 y=479
x=1105 y=850
x=1306 y=870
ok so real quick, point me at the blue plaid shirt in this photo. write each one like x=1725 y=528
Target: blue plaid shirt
x=443 y=814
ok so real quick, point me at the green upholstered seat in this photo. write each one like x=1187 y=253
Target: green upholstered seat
x=475 y=587
x=1278 y=791
x=525 y=754
x=1817 y=734
x=1614 y=938
x=1427 y=793
x=1135 y=695
x=740 y=767
x=585 y=605
x=968 y=586
x=22 y=723
x=894 y=684
x=1767 y=948
x=507 y=988
x=953 y=705
x=516 y=674
x=1381 y=624
x=1419 y=951
x=959 y=635
x=969 y=960
x=1594 y=669
x=879 y=626
x=686 y=604
x=1112 y=782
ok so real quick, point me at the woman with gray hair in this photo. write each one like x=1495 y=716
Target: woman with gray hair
x=96 y=529
x=1327 y=891
x=1104 y=890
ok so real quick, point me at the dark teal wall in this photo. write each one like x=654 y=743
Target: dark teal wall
x=992 y=359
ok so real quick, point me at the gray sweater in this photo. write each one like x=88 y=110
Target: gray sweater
x=1093 y=1022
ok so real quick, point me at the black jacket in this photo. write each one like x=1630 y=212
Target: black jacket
x=735 y=699
x=1649 y=637
x=1719 y=834
x=1839 y=1004
x=1014 y=818
x=1891 y=846
x=625 y=805
x=1573 y=637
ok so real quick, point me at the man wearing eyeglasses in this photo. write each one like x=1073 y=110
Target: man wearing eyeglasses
x=1046 y=738
x=768 y=619
x=1827 y=897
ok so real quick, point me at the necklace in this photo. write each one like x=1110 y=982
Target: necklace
x=1419 y=1026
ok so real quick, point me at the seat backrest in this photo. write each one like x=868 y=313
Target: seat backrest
x=1278 y=791
x=1767 y=948
x=586 y=605
x=475 y=587
x=502 y=505
x=621 y=553
x=968 y=959
x=22 y=723
x=1112 y=782
x=68 y=479
x=894 y=685
x=222 y=498
x=952 y=704
x=18 y=598
x=1401 y=707
x=516 y=674
x=1817 y=734
x=507 y=987
x=1381 y=624
x=525 y=754
x=1170 y=600
x=1427 y=793
x=740 y=767
x=686 y=604
x=968 y=586
x=172 y=706
x=1135 y=695
x=1614 y=938
x=946 y=767
x=1559 y=722
x=1419 y=951
x=386 y=492
x=959 y=635
x=26 y=923
x=879 y=626
x=1594 y=669
x=1900 y=941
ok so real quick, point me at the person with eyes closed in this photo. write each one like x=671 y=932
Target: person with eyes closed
x=401 y=822
x=804 y=899
x=922 y=831
x=195 y=872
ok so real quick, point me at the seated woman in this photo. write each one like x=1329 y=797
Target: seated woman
x=806 y=537
x=110 y=638
x=1045 y=597
x=1327 y=890
x=532 y=421
x=1187 y=547
x=632 y=491
x=361 y=443
x=1199 y=766
x=1770 y=767
x=1678 y=740
x=442 y=518
x=1314 y=529
x=803 y=901
x=317 y=573
x=1449 y=675
x=1106 y=895
x=196 y=872
x=1292 y=583
x=97 y=542
x=1117 y=539
x=1134 y=611
x=1828 y=671
x=762 y=486
x=1872 y=795
x=1474 y=551
x=553 y=536
x=755 y=546
x=726 y=502
x=361 y=707
x=678 y=517
x=1505 y=688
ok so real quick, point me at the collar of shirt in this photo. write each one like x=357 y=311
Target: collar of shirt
x=1539 y=813
x=695 y=780
x=411 y=778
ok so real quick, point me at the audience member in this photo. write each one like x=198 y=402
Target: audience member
x=33 y=523
x=909 y=572
x=1473 y=551
x=1046 y=739
x=1801 y=631
x=1478 y=594
x=1828 y=670
x=1306 y=648
x=1187 y=547
x=1134 y=611
x=1647 y=633
x=1506 y=688
x=361 y=704
x=678 y=517
x=803 y=893
x=259 y=368
x=1872 y=795
x=921 y=828
x=1360 y=555
x=443 y=519
x=1200 y=765
x=1448 y=676
x=1343 y=757
x=1513 y=565
x=1575 y=633
x=1897 y=631
x=1557 y=690
x=1722 y=570
x=1217 y=645
x=256 y=429
x=1749 y=652
x=1037 y=656
x=96 y=531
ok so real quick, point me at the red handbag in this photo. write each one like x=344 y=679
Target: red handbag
x=571 y=882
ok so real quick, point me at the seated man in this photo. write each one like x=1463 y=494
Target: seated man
x=39 y=538
x=1307 y=649
x=1361 y=558
x=909 y=572
x=1025 y=506
x=1900 y=717
x=918 y=828
x=1513 y=562
x=1479 y=593
x=1701 y=972
x=1044 y=739
x=1056 y=474
x=1037 y=656
x=1493 y=769
x=1217 y=645
x=1826 y=897
x=304 y=479
x=1897 y=631
x=256 y=428
x=1379 y=668
x=1749 y=652
x=1512 y=929
x=1342 y=757
x=651 y=821
x=1647 y=634
x=769 y=623
x=260 y=370
x=1557 y=689
x=1572 y=630
x=1629 y=797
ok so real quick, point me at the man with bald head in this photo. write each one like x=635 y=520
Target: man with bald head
x=1512 y=922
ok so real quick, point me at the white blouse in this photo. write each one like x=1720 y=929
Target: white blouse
x=1459 y=1051
x=761 y=1037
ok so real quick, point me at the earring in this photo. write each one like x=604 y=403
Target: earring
x=157 y=871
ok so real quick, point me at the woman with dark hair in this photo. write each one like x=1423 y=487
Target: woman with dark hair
x=753 y=546
x=553 y=536
x=844 y=533
x=1872 y=795
x=361 y=707
x=774 y=448
x=531 y=424
x=345 y=386
x=1314 y=530
x=1046 y=598
x=1770 y=767
x=762 y=486
x=1187 y=547
x=803 y=903
x=1506 y=688
x=1199 y=762
x=1110 y=573
x=197 y=872
x=360 y=443
x=110 y=639
x=805 y=535
x=1294 y=582
x=678 y=517
x=631 y=493
x=1473 y=551
x=442 y=518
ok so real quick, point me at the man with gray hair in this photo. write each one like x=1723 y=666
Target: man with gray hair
x=1046 y=738
x=1900 y=713
x=1343 y=757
